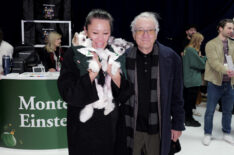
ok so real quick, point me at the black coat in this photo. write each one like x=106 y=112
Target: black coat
x=98 y=135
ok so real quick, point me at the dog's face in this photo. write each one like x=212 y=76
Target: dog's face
x=119 y=45
x=118 y=49
x=83 y=40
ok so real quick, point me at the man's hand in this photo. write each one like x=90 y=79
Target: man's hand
x=175 y=135
x=230 y=73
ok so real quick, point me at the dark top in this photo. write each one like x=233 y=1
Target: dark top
x=97 y=135
x=143 y=62
x=225 y=52
x=171 y=112
x=47 y=58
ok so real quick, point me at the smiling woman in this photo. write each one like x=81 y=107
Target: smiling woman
x=81 y=87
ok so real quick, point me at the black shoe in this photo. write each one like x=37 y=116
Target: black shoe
x=192 y=122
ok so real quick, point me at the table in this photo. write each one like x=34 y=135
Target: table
x=32 y=114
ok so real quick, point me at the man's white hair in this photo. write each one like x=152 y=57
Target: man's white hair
x=146 y=15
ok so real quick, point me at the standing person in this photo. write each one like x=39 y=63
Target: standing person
x=5 y=49
x=154 y=115
x=189 y=31
x=220 y=80
x=193 y=64
x=51 y=55
x=97 y=136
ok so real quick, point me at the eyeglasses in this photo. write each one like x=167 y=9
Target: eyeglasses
x=141 y=32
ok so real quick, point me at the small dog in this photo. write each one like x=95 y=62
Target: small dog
x=104 y=92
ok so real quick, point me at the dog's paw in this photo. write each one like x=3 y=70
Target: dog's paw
x=93 y=65
x=100 y=104
x=109 y=108
x=86 y=113
x=115 y=66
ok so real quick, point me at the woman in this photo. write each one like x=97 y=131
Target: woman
x=51 y=54
x=193 y=64
x=77 y=88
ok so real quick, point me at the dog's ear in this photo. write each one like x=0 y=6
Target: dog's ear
x=75 y=39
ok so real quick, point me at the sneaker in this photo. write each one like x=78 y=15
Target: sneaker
x=196 y=113
x=206 y=140
x=192 y=122
x=228 y=138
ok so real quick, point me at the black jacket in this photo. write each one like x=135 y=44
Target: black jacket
x=98 y=135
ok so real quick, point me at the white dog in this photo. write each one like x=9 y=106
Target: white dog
x=104 y=92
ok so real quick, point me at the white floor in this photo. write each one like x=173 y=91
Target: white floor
x=6 y=151
x=191 y=138
x=190 y=141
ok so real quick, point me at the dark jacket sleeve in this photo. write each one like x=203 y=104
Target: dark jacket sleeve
x=177 y=110
x=76 y=90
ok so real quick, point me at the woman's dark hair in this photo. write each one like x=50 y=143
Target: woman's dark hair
x=223 y=22
x=98 y=14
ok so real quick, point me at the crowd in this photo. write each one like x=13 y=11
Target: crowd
x=139 y=101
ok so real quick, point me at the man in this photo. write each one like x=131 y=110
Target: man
x=220 y=80
x=154 y=115
x=5 y=49
x=189 y=30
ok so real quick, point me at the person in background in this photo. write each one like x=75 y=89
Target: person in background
x=5 y=49
x=220 y=80
x=232 y=36
x=154 y=115
x=193 y=64
x=189 y=30
x=76 y=84
x=51 y=55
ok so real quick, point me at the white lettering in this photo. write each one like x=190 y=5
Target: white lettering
x=50 y=123
x=28 y=120
x=24 y=119
x=40 y=105
x=63 y=122
x=26 y=105
x=50 y=105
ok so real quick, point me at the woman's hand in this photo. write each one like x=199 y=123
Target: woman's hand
x=52 y=70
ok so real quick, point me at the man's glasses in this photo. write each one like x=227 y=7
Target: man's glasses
x=141 y=32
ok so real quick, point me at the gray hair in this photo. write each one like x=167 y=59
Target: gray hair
x=146 y=15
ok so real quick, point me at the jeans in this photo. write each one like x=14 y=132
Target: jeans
x=226 y=93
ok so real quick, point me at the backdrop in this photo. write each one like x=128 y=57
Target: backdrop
x=175 y=15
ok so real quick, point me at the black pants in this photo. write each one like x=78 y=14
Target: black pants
x=190 y=97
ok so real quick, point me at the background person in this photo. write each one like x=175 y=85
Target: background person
x=220 y=80
x=193 y=64
x=5 y=49
x=189 y=31
x=51 y=55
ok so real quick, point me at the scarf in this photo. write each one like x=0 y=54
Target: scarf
x=131 y=104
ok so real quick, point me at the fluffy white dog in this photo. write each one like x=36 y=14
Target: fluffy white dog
x=104 y=92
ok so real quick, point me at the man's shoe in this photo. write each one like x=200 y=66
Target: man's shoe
x=192 y=122
x=206 y=140
x=228 y=138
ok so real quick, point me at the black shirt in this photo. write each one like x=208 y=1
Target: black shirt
x=143 y=78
